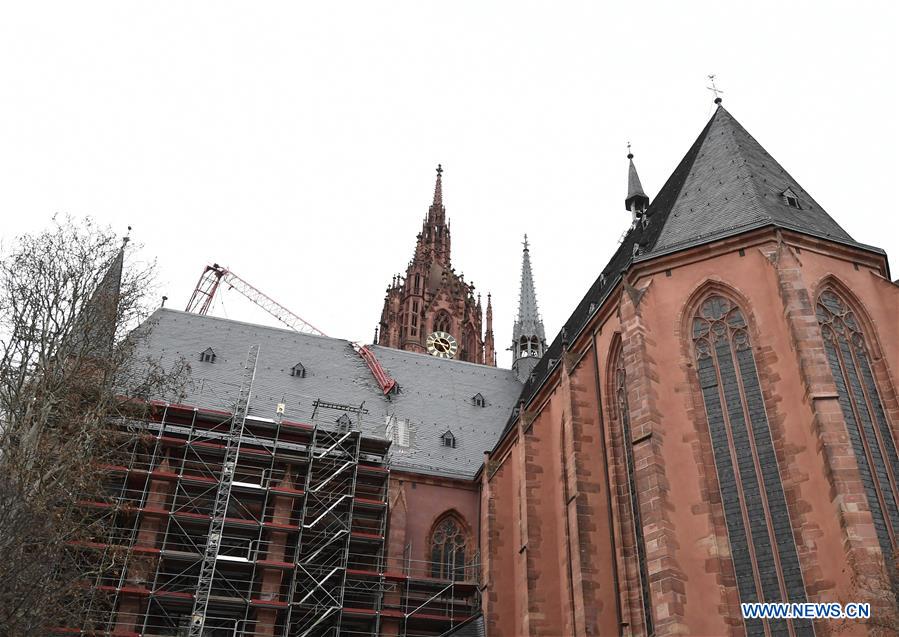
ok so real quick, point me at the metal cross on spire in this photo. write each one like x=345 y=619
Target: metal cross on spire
x=630 y=155
x=714 y=89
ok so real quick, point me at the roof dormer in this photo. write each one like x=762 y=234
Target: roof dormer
x=791 y=199
x=448 y=439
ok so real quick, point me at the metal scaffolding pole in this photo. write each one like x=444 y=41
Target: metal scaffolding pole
x=222 y=497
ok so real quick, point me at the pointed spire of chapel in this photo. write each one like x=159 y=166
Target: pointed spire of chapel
x=529 y=340
x=436 y=211
x=636 y=201
x=489 y=349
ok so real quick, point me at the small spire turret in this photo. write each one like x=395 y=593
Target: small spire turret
x=489 y=348
x=529 y=339
x=636 y=201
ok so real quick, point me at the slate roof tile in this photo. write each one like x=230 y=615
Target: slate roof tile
x=434 y=396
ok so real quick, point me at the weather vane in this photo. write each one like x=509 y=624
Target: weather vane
x=714 y=89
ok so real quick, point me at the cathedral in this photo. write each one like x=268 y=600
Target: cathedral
x=715 y=423
x=432 y=309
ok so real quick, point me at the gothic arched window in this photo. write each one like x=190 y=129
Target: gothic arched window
x=442 y=323
x=762 y=545
x=630 y=507
x=448 y=549
x=869 y=430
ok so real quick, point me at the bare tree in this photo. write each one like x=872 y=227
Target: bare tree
x=70 y=303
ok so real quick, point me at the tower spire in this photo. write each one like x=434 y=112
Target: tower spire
x=489 y=349
x=438 y=187
x=529 y=340
x=636 y=201
x=436 y=212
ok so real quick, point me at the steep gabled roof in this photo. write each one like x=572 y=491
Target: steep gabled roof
x=725 y=185
x=731 y=185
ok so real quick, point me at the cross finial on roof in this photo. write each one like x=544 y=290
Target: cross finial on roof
x=525 y=243
x=439 y=169
x=630 y=155
x=714 y=89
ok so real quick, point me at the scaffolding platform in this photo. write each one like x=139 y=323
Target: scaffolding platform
x=226 y=524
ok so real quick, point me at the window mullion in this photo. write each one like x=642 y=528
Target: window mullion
x=875 y=415
x=763 y=494
x=863 y=434
x=731 y=451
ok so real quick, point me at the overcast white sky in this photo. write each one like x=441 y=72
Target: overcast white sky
x=296 y=142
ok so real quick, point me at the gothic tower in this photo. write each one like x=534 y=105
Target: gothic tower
x=431 y=309
x=528 y=339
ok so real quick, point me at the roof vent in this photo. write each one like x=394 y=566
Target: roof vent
x=478 y=400
x=298 y=370
x=791 y=199
x=207 y=356
x=448 y=439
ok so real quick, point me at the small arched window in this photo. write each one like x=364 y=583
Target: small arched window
x=448 y=549
x=869 y=430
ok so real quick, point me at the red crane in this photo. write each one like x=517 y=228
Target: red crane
x=214 y=275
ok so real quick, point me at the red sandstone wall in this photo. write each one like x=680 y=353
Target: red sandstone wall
x=530 y=589
x=417 y=502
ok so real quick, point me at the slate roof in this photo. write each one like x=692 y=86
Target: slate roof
x=435 y=394
x=732 y=185
x=725 y=185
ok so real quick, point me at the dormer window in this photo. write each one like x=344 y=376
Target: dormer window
x=298 y=370
x=448 y=440
x=344 y=423
x=791 y=199
x=478 y=400
x=207 y=356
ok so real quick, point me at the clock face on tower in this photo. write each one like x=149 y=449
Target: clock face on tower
x=442 y=345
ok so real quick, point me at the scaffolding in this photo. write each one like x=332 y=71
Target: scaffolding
x=229 y=524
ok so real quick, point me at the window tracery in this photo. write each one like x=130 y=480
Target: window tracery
x=869 y=430
x=761 y=539
x=448 y=547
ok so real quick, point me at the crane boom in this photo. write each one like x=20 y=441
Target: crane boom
x=214 y=275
